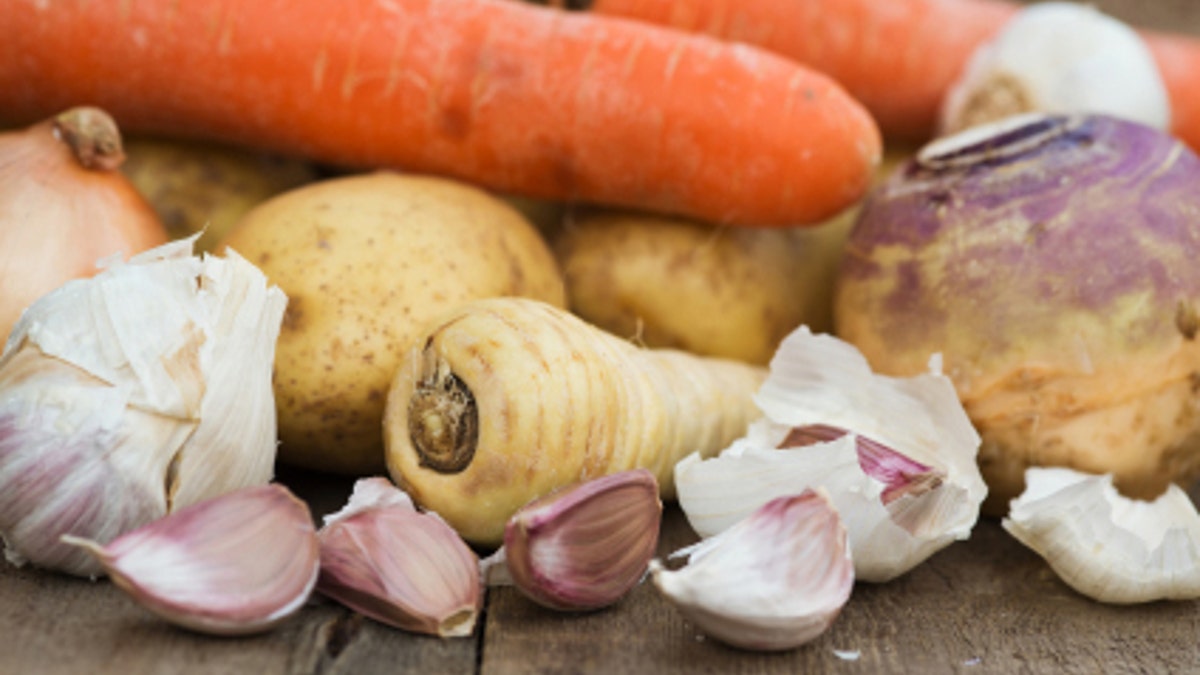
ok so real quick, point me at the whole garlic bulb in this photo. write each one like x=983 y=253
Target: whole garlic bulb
x=1059 y=57
x=133 y=393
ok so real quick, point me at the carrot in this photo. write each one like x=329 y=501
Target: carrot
x=506 y=399
x=898 y=57
x=1178 y=59
x=523 y=99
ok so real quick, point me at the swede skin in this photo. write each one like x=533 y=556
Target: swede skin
x=506 y=399
x=1054 y=268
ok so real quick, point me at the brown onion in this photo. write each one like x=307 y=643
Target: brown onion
x=64 y=206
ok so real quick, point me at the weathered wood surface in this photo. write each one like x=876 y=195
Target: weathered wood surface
x=986 y=605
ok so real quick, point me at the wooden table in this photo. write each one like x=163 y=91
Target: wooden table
x=986 y=605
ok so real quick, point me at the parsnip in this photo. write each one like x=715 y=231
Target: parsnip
x=506 y=399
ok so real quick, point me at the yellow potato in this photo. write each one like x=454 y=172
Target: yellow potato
x=365 y=261
x=196 y=186
x=715 y=291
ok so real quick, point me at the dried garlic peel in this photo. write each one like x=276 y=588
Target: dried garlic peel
x=143 y=389
x=818 y=379
x=1107 y=546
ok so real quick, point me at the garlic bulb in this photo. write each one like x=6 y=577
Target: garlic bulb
x=1059 y=57
x=408 y=569
x=775 y=580
x=896 y=455
x=235 y=564
x=1107 y=546
x=131 y=394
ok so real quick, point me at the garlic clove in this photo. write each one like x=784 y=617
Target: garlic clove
x=896 y=455
x=382 y=557
x=132 y=393
x=584 y=547
x=1059 y=57
x=901 y=476
x=1106 y=546
x=775 y=580
x=231 y=565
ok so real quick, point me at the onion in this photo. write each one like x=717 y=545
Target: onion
x=64 y=206
x=1053 y=262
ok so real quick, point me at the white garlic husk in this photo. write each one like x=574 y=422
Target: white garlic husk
x=775 y=580
x=895 y=519
x=236 y=564
x=131 y=394
x=1059 y=57
x=1106 y=546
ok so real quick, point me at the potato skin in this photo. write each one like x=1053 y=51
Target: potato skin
x=710 y=290
x=365 y=261
x=196 y=186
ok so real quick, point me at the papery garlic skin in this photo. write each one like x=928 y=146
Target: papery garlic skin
x=774 y=581
x=1059 y=57
x=236 y=564
x=585 y=546
x=133 y=393
x=382 y=557
x=821 y=380
x=1106 y=546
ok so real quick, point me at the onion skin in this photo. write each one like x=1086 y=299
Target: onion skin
x=59 y=217
x=1054 y=267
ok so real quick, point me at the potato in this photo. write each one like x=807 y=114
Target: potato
x=197 y=186
x=365 y=260
x=714 y=291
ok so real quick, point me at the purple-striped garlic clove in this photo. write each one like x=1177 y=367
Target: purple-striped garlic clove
x=405 y=568
x=774 y=581
x=235 y=564
x=584 y=547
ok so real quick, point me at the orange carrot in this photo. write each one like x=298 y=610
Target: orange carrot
x=898 y=57
x=514 y=97
x=1178 y=59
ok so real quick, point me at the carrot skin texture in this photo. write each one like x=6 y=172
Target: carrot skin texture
x=1178 y=59
x=898 y=57
x=510 y=96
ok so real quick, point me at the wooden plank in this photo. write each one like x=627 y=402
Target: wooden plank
x=987 y=605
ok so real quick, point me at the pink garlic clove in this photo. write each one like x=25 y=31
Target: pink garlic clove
x=232 y=565
x=382 y=557
x=584 y=547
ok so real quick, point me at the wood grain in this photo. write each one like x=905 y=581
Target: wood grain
x=986 y=605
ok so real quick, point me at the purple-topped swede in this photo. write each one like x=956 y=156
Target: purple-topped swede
x=1054 y=263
